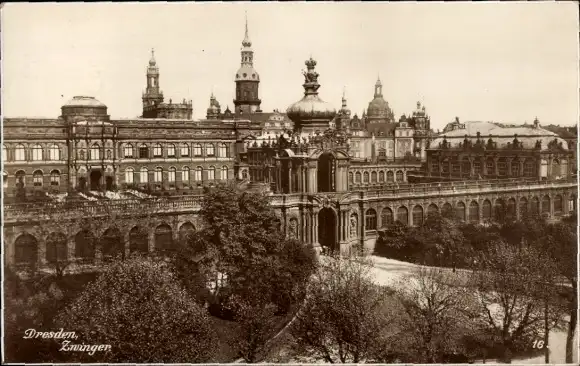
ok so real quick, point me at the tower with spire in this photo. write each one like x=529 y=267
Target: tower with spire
x=247 y=80
x=153 y=104
x=343 y=116
x=152 y=96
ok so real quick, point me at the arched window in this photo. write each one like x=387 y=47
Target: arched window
x=572 y=203
x=558 y=205
x=432 y=210
x=85 y=246
x=371 y=219
x=20 y=178
x=170 y=151
x=373 y=177
x=95 y=152
x=529 y=168
x=386 y=217
x=128 y=151
x=211 y=173
x=381 y=177
x=403 y=215
x=143 y=151
x=5 y=179
x=460 y=211
x=197 y=173
x=390 y=177
x=400 y=176
x=210 y=150
x=224 y=173
x=197 y=150
x=447 y=210
x=37 y=178
x=157 y=151
x=486 y=210
x=350 y=177
x=546 y=204
x=54 y=152
x=144 y=175
x=499 y=210
x=515 y=166
x=474 y=212
x=55 y=178
x=185 y=175
x=184 y=152
x=223 y=150
x=158 y=175
x=56 y=248
x=171 y=175
x=112 y=244
x=358 y=177
x=26 y=249
x=185 y=231
x=129 y=174
x=36 y=152
x=20 y=153
x=4 y=153
x=138 y=240
x=417 y=215
x=163 y=238
x=365 y=177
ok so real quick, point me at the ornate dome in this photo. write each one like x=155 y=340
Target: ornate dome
x=247 y=73
x=379 y=107
x=311 y=110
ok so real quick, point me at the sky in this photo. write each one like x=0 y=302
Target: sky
x=505 y=62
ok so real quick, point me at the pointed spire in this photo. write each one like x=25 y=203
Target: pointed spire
x=246 y=42
x=344 y=97
x=378 y=83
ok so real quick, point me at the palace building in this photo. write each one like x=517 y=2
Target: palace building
x=310 y=148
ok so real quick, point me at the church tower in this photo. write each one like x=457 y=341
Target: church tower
x=247 y=80
x=152 y=95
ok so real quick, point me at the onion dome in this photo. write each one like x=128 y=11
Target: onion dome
x=378 y=107
x=311 y=111
x=152 y=61
x=246 y=72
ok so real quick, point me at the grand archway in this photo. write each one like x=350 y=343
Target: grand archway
x=326 y=173
x=327 y=229
x=95 y=177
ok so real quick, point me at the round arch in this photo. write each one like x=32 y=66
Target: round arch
x=56 y=247
x=163 y=238
x=112 y=243
x=26 y=249
x=138 y=241
x=327 y=228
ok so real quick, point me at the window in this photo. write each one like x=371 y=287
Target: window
x=477 y=167
x=386 y=217
x=390 y=177
x=350 y=177
x=4 y=153
x=197 y=150
x=490 y=167
x=381 y=177
x=515 y=168
x=529 y=168
x=185 y=174
x=366 y=177
x=128 y=151
x=211 y=173
x=143 y=151
x=210 y=150
x=158 y=176
x=403 y=215
x=223 y=150
x=558 y=204
x=37 y=178
x=358 y=177
x=157 y=151
x=54 y=153
x=417 y=215
x=5 y=179
x=184 y=150
x=197 y=173
x=37 y=152
x=170 y=151
x=373 y=177
x=171 y=175
x=144 y=175
x=460 y=211
x=400 y=176
x=486 y=209
x=501 y=167
x=19 y=153
x=224 y=173
x=95 y=152
x=55 y=178
x=371 y=219
x=129 y=172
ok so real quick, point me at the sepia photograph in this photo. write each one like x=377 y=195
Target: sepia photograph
x=290 y=182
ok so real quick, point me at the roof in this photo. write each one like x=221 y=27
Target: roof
x=377 y=129
x=563 y=132
x=84 y=101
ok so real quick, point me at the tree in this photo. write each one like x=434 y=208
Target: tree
x=508 y=282
x=433 y=310
x=345 y=317
x=138 y=308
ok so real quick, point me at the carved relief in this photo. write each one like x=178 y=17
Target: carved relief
x=353 y=226
x=293 y=229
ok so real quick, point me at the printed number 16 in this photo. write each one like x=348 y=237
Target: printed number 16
x=538 y=344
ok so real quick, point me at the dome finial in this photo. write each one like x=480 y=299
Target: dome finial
x=152 y=60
